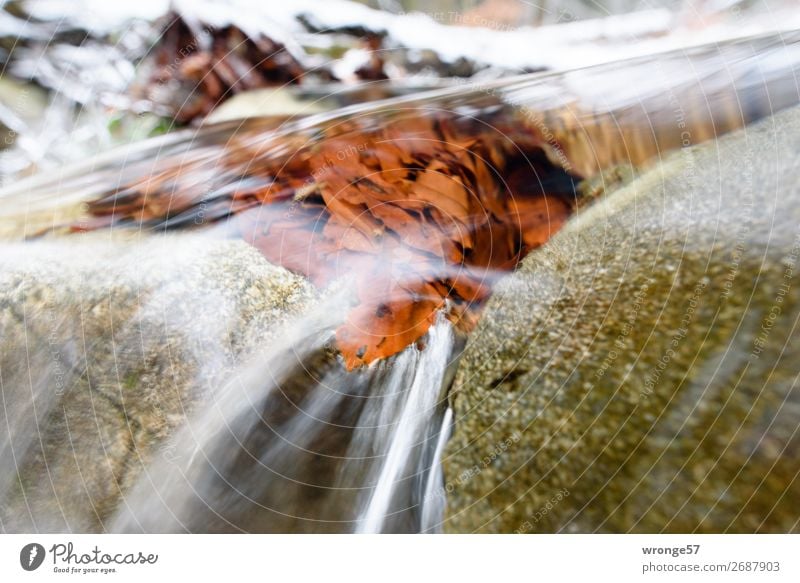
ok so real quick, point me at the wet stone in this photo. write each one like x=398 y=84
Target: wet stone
x=107 y=347
x=639 y=372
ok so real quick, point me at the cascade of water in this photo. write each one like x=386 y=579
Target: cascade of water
x=297 y=444
x=199 y=475
x=410 y=428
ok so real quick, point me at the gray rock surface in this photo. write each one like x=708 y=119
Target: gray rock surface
x=639 y=372
x=107 y=347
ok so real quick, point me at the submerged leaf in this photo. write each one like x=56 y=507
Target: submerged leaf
x=422 y=211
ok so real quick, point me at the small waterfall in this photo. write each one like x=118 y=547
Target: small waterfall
x=212 y=471
x=297 y=444
x=411 y=426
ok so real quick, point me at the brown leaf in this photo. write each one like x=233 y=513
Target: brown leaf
x=413 y=207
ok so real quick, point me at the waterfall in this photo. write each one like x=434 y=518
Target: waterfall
x=410 y=427
x=295 y=443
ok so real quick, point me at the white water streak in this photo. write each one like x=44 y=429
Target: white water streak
x=410 y=429
x=433 y=502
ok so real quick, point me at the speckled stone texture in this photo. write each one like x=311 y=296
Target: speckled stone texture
x=639 y=372
x=107 y=346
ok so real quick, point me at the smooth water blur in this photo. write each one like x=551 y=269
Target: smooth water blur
x=295 y=443
x=406 y=432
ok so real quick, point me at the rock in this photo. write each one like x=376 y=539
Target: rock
x=107 y=347
x=638 y=374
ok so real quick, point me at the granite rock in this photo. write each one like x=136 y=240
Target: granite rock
x=107 y=347
x=638 y=373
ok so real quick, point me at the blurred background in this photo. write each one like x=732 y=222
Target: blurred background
x=81 y=76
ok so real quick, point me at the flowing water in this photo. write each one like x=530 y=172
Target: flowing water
x=314 y=449
x=406 y=432
x=433 y=505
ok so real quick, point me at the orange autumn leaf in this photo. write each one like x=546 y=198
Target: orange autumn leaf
x=386 y=320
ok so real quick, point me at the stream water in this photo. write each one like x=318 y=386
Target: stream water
x=314 y=449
